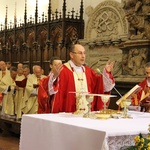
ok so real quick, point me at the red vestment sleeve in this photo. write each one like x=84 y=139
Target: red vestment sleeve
x=99 y=89
x=110 y=76
x=45 y=101
x=43 y=96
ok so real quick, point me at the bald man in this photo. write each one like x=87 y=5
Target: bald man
x=30 y=105
x=76 y=77
x=20 y=65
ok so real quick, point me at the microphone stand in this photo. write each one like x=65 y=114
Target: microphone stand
x=98 y=70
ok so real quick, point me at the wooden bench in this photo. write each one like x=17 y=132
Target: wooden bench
x=8 y=125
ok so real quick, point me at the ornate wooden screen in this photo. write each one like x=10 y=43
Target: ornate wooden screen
x=36 y=40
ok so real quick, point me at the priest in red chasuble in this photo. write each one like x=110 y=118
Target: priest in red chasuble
x=76 y=77
x=143 y=97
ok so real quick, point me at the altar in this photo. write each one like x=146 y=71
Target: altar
x=65 y=131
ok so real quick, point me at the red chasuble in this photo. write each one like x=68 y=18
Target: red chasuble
x=65 y=101
x=44 y=99
x=145 y=87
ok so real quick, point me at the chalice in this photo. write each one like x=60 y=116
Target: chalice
x=105 y=99
x=104 y=114
x=89 y=99
x=126 y=103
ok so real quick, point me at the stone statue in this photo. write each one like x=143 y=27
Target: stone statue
x=133 y=63
x=100 y=63
x=138 y=16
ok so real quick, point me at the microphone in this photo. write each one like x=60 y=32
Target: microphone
x=99 y=71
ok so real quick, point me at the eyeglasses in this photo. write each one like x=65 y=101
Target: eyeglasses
x=79 y=53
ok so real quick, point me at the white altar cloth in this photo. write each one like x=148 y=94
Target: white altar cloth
x=71 y=132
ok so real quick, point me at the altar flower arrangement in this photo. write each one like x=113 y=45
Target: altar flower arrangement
x=141 y=143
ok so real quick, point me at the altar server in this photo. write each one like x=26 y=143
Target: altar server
x=45 y=95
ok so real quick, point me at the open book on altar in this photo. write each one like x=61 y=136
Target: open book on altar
x=21 y=83
x=129 y=94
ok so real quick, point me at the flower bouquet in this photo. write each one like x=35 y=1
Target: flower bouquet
x=141 y=143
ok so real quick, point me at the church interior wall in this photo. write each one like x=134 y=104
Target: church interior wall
x=101 y=46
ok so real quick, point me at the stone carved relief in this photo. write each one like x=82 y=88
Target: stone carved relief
x=100 y=63
x=138 y=15
x=106 y=28
x=133 y=62
x=97 y=59
x=106 y=22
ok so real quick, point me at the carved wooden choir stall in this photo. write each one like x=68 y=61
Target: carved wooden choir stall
x=37 y=39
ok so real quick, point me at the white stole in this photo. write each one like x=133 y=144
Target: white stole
x=80 y=86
